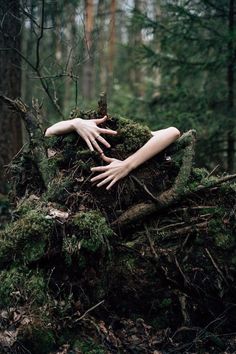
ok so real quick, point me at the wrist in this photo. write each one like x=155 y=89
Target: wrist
x=130 y=164
x=75 y=123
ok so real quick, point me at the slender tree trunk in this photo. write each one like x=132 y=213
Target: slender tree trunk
x=100 y=49
x=88 y=57
x=10 y=83
x=69 y=83
x=230 y=81
x=136 y=40
x=112 y=40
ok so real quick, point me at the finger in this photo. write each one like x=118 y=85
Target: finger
x=99 y=169
x=103 y=141
x=101 y=176
x=89 y=144
x=107 y=131
x=97 y=147
x=101 y=120
x=105 y=181
x=111 y=184
x=106 y=159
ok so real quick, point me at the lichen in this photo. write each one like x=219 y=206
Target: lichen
x=93 y=230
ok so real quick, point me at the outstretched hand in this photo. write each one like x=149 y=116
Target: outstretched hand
x=90 y=132
x=111 y=173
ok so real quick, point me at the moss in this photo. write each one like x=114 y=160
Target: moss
x=25 y=238
x=70 y=247
x=132 y=135
x=58 y=189
x=165 y=303
x=89 y=347
x=26 y=205
x=20 y=285
x=223 y=238
x=225 y=241
x=93 y=230
x=38 y=339
x=54 y=163
x=4 y=204
x=198 y=174
x=128 y=263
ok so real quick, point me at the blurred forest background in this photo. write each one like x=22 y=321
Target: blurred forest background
x=161 y=62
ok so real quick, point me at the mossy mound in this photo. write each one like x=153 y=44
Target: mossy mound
x=168 y=271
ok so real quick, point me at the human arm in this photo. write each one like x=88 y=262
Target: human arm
x=87 y=129
x=118 y=169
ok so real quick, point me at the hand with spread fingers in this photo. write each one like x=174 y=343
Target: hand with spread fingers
x=118 y=169
x=111 y=173
x=89 y=130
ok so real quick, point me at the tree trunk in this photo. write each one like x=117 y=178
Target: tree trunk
x=136 y=41
x=87 y=86
x=230 y=82
x=10 y=83
x=112 y=40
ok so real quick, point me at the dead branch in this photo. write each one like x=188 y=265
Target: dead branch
x=36 y=136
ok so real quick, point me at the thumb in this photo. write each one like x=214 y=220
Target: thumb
x=101 y=120
x=106 y=158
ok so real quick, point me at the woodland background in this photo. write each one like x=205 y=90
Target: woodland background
x=149 y=267
x=164 y=63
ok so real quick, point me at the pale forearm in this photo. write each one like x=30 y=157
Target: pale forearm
x=160 y=140
x=63 y=127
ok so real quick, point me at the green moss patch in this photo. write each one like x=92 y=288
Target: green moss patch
x=93 y=230
x=25 y=238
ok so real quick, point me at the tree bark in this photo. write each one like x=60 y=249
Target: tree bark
x=88 y=59
x=112 y=40
x=10 y=83
x=230 y=82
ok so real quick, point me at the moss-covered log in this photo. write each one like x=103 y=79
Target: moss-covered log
x=148 y=266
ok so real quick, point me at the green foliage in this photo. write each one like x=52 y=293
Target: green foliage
x=93 y=230
x=20 y=285
x=89 y=347
x=224 y=237
x=132 y=135
x=4 y=204
x=25 y=238
x=58 y=189
x=38 y=339
x=165 y=303
x=225 y=240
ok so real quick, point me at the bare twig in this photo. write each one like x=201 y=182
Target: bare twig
x=89 y=310
x=216 y=266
